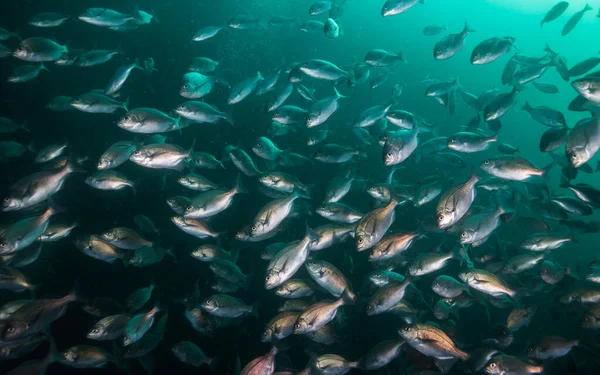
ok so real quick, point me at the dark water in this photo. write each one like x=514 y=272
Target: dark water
x=242 y=54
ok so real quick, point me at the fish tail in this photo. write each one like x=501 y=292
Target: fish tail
x=254 y=309
x=526 y=107
x=238 y=185
x=467 y=29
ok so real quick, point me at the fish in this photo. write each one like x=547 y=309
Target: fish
x=491 y=49
x=583 y=142
x=394 y=7
x=574 y=20
x=556 y=11
x=455 y=202
x=450 y=45
x=431 y=341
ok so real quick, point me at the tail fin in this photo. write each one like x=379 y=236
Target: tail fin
x=467 y=29
x=254 y=309
x=238 y=185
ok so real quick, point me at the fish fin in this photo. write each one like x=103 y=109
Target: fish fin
x=254 y=310
x=238 y=185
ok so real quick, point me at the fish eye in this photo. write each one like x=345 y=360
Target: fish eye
x=486 y=162
x=463 y=234
x=493 y=365
x=586 y=319
x=438 y=283
x=573 y=156
x=258 y=145
x=6 y=199
x=253 y=227
x=360 y=240
x=297 y=325
x=185 y=86
x=209 y=302
x=305 y=64
x=441 y=217
x=529 y=350
x=407 y=329
x=453 y=140
x=11 y=329
x=389 y=154
x=95 y=330
x=189 y=208
x=369 y=307
x=378 y=274
x=268 y=278
x=136 y=152
x=182 y=107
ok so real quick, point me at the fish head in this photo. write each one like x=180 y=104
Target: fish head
x=445 y=219
x=488 y=165
x=91 y=181
x=13 y=329
x=378 y=278
x=578 y=156
x=534 y=351
x=324 y=211
x=311 y=121
x=266 y=335
x=314 y=267
x=201 y=254
x=409 y=332
x=22 y=52
x=392 y=156
x=209 y=305
x=96 y=333
x=242 y=235
x=272 y=280
x=438 y=286
x=127 y=340
x=268 y=180
x=70 y=356
x=188 y=91
x=11 y=204
x=589 y=321
x=83 y=243
x=110 y=235
x=467 y=236
x=139 y=156
x=439 y=52
x=103 y=163
x=362 y=241
x=80 y=103
x=494 y=367
x=302 y=326
x=183 y=110
x=378 y=253
x=136 y=259
x=381 y=193
x=478 y=57
x=178 y=350
x=130 y=122
x=389 y=8
x=466 y=276
x=185 y=181
x=256 y=229
x=441 y=310
x=581 y=85
x=567 y=298
x=453 y=143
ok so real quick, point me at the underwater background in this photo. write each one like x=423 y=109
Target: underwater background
x=241 y=54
